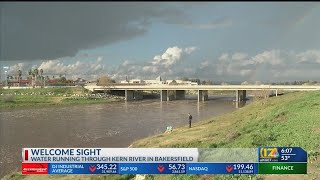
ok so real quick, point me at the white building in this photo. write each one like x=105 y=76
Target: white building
x=158 y=80
x=124 y=81
x=136 y=81
x=182 y=82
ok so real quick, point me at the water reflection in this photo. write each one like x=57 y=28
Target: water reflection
x=126 y=106
x=240 y=104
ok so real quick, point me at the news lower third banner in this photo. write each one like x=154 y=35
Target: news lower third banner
x=262 y=160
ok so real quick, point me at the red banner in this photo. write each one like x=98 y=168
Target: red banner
x=34 y=168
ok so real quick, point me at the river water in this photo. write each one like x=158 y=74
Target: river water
x=105 y=125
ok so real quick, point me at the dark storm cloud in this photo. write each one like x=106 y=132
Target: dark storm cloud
x=287 y=14
x=44 y=30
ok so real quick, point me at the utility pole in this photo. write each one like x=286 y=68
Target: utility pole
x=5 y=71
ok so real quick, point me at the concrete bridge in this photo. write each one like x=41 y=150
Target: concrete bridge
x=176 y=92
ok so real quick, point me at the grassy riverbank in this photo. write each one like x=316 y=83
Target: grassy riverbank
x=289 y=120
x=24 y=98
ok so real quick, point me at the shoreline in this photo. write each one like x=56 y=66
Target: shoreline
x=51 y=97
x=36 y=102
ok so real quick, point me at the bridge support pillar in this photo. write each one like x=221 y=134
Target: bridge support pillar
x=163 y=95
x=129 y=95
x=180 y=94
x=203 y=95
x=276 y=91
x=137 y=95
x=241 y=95
x=171 y=95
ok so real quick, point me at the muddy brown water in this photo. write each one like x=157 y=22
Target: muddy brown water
x=104 y=125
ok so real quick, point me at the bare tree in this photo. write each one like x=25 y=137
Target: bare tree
x=174 y=82
x=106 y=82
x=19 y=76
x=209 y=82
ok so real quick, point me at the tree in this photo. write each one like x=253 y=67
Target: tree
x=208 y=82
x=105 y=80
x=29 y=75
x=42 y=78
x=35 y=74
x=46 y=79
x=63 y=80
x=174 y=82
x=19 y=76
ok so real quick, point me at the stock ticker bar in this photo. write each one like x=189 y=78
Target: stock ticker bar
x=268 y=160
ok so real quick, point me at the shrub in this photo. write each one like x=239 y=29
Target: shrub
x=8 y=98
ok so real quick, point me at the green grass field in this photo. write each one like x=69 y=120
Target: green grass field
x=40 y=97
x=289 y=120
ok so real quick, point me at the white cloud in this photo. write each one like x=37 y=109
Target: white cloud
x=153 y=69
x=272 y=57
x=168 y=58
x=125 y=63
x=224 y=57
x=309 y=56
x=272 y=64
x=189 y=50
x=204 y=64
x=99 y=59
x=189 y=71
x=239 y=56
x=245 y=72
x=77 y=69
x=24 y=67
x=171 y=56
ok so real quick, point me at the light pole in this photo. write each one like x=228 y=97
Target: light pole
x=5 y=72
x=5 y=75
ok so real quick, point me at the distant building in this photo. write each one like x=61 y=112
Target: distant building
x=197 y=81
x=136 y=81
x=23 y=82
x=158 y=80
x=181 y=82
x=79 y=82
x=125 y=81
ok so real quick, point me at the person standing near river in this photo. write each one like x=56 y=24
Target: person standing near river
x=190 y=119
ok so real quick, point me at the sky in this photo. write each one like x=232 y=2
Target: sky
x=218 y=41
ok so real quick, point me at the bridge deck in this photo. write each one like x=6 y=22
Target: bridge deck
x=202 y=87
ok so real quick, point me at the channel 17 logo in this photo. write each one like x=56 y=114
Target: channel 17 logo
x=269 y=153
